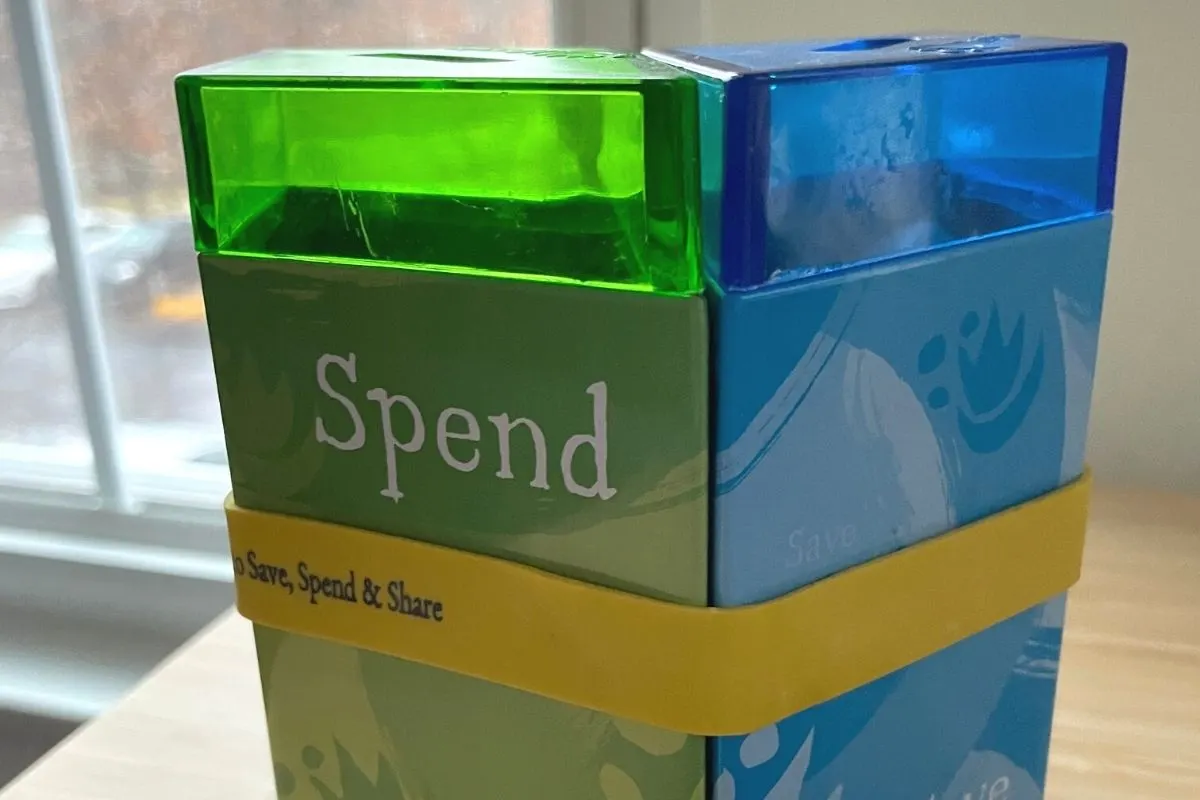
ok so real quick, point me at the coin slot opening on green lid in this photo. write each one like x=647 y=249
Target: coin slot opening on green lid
x=442 y=57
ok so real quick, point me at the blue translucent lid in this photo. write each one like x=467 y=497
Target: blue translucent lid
x=826 y=154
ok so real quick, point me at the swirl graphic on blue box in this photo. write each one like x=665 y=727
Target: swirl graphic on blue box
x=884 y=433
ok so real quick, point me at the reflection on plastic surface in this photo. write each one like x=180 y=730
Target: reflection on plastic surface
x=834 y=154
x=561 y=166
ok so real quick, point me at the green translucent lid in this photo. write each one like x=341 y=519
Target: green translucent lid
x=569 y=165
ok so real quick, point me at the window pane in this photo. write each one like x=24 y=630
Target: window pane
x=40 y=415
x=118 y=59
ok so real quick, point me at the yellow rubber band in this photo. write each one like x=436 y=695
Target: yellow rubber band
x=704 y=671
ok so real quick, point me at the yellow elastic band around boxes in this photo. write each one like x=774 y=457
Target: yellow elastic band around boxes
x=705 y=671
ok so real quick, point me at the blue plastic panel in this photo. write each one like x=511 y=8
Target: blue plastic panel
x=837 y=153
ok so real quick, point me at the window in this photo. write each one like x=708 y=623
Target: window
x=149 y=416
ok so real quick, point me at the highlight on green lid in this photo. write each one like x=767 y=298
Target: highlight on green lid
x=567 y=165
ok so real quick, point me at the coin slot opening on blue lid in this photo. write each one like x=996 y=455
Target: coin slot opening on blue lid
x=856 y=45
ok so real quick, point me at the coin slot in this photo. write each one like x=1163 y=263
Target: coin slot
x=441 y=57
x=856 y=45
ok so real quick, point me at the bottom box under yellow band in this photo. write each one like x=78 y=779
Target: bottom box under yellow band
x=633 y=657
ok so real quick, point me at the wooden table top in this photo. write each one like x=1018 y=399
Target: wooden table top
x=1127 y=724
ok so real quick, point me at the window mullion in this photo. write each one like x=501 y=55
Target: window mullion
x=40 y=81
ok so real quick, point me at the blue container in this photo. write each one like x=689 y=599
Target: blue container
x=906 y=241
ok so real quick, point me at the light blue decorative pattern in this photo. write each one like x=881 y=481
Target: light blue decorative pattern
x=863 y=411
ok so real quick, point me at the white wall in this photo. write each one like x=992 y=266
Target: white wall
x=1146 y=412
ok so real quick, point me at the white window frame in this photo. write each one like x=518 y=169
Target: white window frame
x=38 y=67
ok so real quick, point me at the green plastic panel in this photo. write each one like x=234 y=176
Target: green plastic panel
x=568 y=166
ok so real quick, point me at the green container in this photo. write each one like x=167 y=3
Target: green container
x=454 y=296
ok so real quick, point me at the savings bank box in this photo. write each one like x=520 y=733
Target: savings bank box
x=704 y=424
x=907 y=238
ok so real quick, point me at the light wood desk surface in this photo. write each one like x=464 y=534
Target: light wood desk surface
x=1127 y=725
